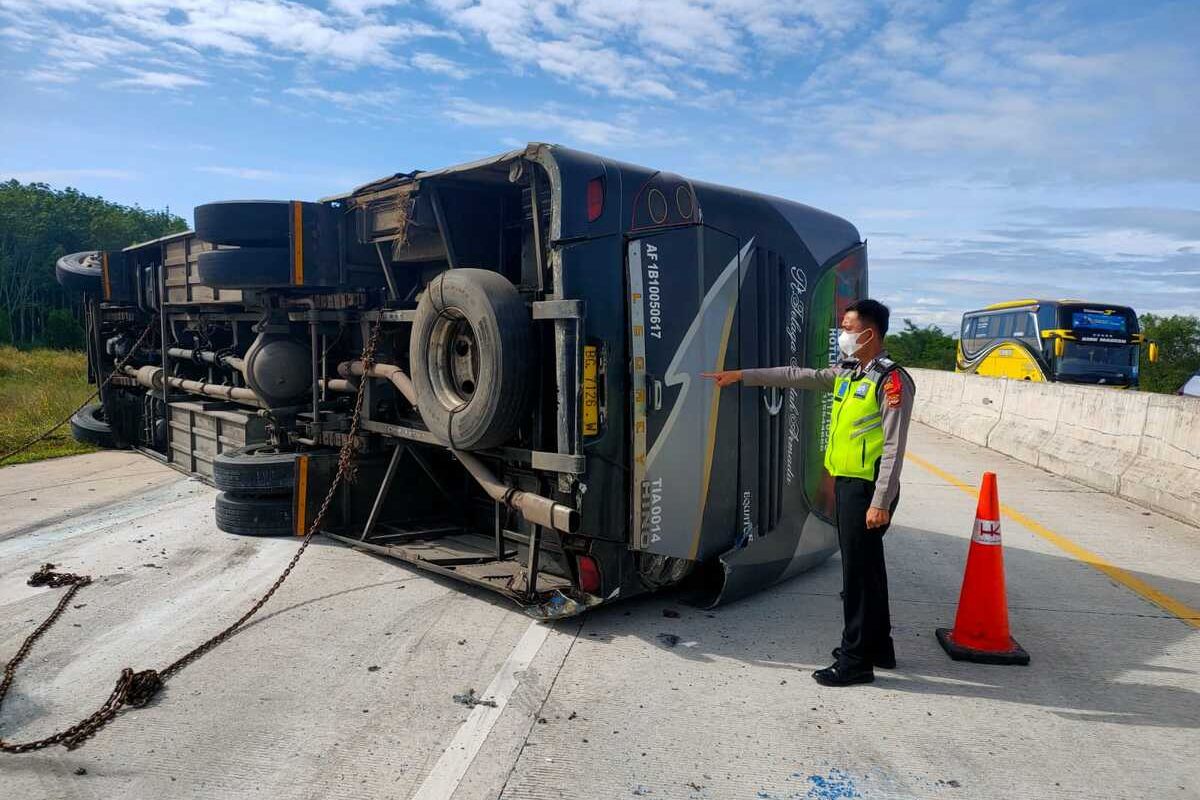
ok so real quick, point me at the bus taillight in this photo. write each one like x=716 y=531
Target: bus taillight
x=589 y=574
x=595 y=199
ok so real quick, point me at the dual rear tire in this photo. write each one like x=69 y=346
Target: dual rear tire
x=261 y=229
x=256 y=490
x=90 y=426
x=254 y=515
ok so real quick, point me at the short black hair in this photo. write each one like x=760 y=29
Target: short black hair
x=873 y=313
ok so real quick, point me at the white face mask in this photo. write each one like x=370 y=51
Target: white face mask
x=849 y=343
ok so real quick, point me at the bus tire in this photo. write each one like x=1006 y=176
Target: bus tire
x=249 y=268
x=658 y=571
x=245 y=223
x=88 y=426
x=259 y=469
x=80 y=272
x=254 y=516
x=473 y=358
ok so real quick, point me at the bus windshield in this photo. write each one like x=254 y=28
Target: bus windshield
x=1110 y=363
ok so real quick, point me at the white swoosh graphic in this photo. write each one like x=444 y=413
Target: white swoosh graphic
x=691 y=357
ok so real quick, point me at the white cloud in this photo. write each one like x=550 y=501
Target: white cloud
x=1176 y=224
x=360 y=8
x=358 y=99
x=431 y=62
x=577 y=128
x=245 y=173
x=86 y=33
x=49 y=76
x=169 y=81
x=628 y=48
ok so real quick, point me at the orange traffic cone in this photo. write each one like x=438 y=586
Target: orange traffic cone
x=981 y=627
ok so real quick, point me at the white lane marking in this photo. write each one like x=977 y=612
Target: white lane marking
x=449 y=770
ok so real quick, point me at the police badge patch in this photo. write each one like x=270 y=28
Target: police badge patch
x=893 y=389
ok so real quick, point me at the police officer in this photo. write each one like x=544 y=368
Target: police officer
x=868 y=426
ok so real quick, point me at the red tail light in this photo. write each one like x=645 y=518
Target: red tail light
x=595 y=198
x=589 y=574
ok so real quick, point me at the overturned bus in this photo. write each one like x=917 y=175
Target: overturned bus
x=533 y=419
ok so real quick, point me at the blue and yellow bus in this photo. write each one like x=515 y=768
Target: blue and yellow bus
x=1072 y=341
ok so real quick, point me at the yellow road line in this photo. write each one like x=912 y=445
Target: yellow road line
x=1164 y=601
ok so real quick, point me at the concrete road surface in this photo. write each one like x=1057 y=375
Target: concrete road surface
x=343 y=687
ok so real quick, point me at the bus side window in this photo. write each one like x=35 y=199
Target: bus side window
x=1004 y=325
x=1026 y=328
x=1048 y=317
x=983 y=333
x=967 y=337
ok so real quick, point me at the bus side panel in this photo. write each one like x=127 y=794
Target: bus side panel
x=1010 y=359
x=802 y=307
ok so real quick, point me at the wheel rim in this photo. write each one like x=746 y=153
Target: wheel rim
x=453 y=359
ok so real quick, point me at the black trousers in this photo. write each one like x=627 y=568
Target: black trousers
x=867 y=634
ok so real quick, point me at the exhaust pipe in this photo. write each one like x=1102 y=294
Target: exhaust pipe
x=388 y=372
x=207 y=357
x=152 y=378
x=533 y=507
x=340 y=385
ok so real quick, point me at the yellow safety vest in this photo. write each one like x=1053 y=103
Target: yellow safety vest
x=855 y=426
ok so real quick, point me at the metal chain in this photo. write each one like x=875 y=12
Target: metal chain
x=117 y=369
x=139 y=688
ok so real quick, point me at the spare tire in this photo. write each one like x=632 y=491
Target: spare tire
x=254 y=516
x=89 y=426
x=245 y=223
x=80 y=272
x=472 y=358
x=255 y=469
x=249 y=268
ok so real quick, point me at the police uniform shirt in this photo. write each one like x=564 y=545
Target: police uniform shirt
x=895 y=396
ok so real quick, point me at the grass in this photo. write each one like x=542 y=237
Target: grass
x=37 y=389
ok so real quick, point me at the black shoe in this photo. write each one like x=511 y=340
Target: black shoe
x=883 y=662
x=837 y=675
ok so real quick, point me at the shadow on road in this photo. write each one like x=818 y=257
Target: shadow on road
x=1093 y=642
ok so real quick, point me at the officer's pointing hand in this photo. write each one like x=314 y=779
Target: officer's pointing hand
x=726 y=378
x=878 y=517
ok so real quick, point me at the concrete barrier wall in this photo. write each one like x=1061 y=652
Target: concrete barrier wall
x=1144 y=447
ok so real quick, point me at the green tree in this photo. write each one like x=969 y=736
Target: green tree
x=1178 y=339
x=37 y=226
x=929 y=347
x=62 y=331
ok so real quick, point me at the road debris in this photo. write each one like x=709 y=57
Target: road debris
x=668 y=639
x=470 y=699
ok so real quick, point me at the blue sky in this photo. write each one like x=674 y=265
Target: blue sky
x=987 y=150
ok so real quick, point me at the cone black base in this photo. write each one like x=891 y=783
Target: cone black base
x=958 y=652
